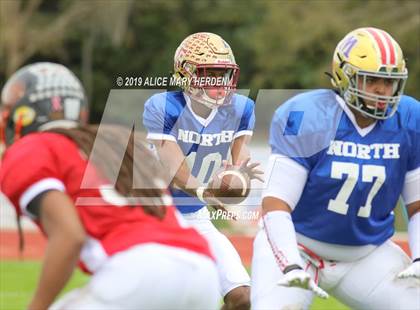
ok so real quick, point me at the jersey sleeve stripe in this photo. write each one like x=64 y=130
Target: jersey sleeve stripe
x=37 y=188
x=160 y=136
x=242 y=133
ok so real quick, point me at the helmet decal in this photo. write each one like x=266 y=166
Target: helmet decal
x=384 y=44
x=347 y=45
x=24 y=114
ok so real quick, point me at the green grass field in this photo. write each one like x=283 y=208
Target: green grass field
x=18 y=280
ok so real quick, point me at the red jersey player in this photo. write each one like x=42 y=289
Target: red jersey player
x=130 y=240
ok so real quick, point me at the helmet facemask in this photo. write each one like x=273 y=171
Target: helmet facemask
x=371 y=104
x=213 y=85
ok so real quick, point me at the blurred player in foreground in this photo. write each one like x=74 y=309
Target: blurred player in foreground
x=340 y=161
x=130 y=240
x=195 y=132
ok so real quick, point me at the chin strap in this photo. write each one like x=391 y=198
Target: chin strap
x=331 y=77
x=18 y=128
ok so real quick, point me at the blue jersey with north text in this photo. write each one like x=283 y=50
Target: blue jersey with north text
x=355 y=175
x=204 y=142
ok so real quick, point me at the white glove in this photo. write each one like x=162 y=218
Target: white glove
x=302 y=279
x=412 y=271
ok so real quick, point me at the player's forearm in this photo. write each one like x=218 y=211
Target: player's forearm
x=181 y=174
x=281 y=233
x=187 y=182
x=414 y=229
x=62 y=254
x=174 y=162
x=274 y=204
x=239 y=157
x=66 y=236
x=413 y=208
x=240 y=150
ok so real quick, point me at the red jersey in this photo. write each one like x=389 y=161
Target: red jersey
x=50 y=161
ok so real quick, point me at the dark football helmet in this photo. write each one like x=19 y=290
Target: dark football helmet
x=40 y=96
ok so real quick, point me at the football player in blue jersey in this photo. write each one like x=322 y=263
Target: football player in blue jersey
x=195 y=131
x=340 y=161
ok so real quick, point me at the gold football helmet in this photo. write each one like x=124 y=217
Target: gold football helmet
x=205 y=63
x=365 y=54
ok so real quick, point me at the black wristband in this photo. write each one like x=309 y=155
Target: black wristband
x=416 y=259
x=291 y=267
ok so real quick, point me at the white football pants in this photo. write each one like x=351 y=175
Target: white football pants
x=149 y=276
x=232 y=273
x=367 y=283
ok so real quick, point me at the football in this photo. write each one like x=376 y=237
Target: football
x=231 y=186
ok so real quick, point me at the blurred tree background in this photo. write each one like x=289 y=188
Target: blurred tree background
x=278 y=44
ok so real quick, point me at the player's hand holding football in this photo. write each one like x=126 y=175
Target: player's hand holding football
x=206 y=195
x=412 y=271
x=302 y=279
x=251 y=169
x=248 y=168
